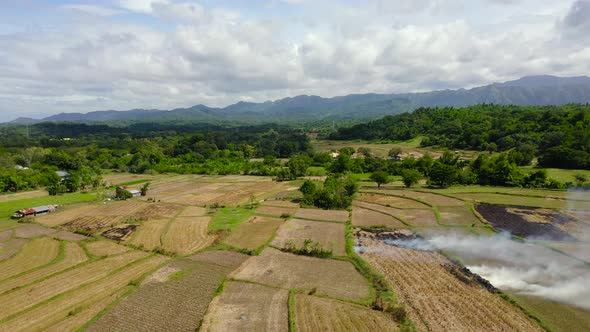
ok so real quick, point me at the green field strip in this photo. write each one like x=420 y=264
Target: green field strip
x=291 y=311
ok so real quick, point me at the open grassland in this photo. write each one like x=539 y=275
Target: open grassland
x=79 y=296
x=389 y=200
x=436 y=299
x=509 y=199
x=7 y=208
x=409 y=148
x=73 y=255
x=248 y=307
x=34 y=254
x=323 y=215
x=330 y=277
x=330 y=235
x=559 y=174
x=560 y=317
x=174 y=301
x=187 y=234
x=370 y=218
x=254 y=233
x=227 y=219
x=320 y=314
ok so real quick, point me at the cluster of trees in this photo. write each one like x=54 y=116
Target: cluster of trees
x=488 y=170
x=29 y=159
x=336 y=192
x=558 y=135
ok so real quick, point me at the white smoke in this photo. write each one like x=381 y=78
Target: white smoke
x=522 y=267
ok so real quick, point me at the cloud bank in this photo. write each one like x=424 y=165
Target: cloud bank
x=74 y=57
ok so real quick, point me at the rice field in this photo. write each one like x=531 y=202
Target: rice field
x=254 y=233
x=322 y=215
x=331 y=236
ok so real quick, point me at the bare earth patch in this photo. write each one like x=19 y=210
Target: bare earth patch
x=324 y=215
x=254 y=233
x=330 y=235
x=330 y=277
x=461 y=215
x=68 y=236
x=248 y=307
x=28 y=231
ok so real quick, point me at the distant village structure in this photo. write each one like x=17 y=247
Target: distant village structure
x=34 y=211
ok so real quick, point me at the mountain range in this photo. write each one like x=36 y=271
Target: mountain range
x=529 y=90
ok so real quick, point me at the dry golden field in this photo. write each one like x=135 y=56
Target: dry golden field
x=330 y=235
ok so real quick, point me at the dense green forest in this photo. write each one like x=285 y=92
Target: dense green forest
x=558 y=135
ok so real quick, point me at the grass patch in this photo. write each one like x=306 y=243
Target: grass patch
x=561 y=175
x=309 y=248
x=176 y=275
x=228 y=218
x=8 y=208
x=291 y=306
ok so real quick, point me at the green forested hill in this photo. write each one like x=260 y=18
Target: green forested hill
x=559 y=135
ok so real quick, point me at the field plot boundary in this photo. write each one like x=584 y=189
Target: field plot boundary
x=391 y=215
x=376 y=192
x=59 y=256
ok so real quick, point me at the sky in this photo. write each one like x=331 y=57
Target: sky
x=80 y=56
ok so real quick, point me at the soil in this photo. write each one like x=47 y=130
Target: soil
x=326 y=215
x=28 y=231
x=330 y=235
x=516 y=223
x=119 y=233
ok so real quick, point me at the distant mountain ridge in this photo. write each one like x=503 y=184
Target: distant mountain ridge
x=526 y=91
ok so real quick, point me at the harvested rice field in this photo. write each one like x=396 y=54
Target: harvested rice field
x=323 y=215
x=187 y=235
x=438 y=296
x=248 y=307
x=331 y=236
x=321 y=314
x=330 y=277
x=254 y=233
x=175 y=260
x=175 y=300
x=362 y=217
x=460 y=215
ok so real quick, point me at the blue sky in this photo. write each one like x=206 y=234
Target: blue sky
x=81 y=56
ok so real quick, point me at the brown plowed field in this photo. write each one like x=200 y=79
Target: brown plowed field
x=73 y=255
x=437 y=300
x=324 y=215
x=5 y=235
x=368 y=218
x=35 y=253
x=64 y=307
x=320 y=314
x=330 y=235
x=248 y=307
x=394 y=201
x=120 y=233
x=105 y=248
x=330 y=277
x=176 y=304
x=68 y=236
x=187 y=235
x=159 y=211
x=66 y=214
x=254 y=233
x=91 y=223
